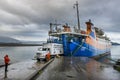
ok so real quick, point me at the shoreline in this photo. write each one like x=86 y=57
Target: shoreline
x=18 y=44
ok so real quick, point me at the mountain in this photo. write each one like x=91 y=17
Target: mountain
x=33 y=42
x=8 y=40
x=115 y=43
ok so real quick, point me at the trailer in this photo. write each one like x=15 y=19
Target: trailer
x=52 y=48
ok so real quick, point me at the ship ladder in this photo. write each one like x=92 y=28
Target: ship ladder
x=79 y=46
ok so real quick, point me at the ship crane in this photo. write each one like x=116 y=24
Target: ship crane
x=76 y=6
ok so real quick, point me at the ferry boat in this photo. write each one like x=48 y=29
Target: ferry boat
x=89 y=43
x=76 y=42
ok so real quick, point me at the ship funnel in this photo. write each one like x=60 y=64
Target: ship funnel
x=89 y=24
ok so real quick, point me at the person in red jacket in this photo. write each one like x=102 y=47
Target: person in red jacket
x=48 y=56
x=6 y=60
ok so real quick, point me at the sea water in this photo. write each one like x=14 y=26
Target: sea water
x=18 y=53
x=28 y=52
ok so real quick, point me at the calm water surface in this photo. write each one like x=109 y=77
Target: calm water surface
x=115 y=52
x=28 y=52
x=18 y=53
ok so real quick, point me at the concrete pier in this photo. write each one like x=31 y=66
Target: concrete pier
x=79 y=68
x=63 y=68
x=23 y=70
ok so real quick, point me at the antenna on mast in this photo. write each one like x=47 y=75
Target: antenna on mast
x=76 y=6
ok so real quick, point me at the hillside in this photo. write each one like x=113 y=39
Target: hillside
x=8 y=40
x=115 y=43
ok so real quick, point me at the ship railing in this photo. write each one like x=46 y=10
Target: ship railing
x=65 y=29
x=67 y=33
x=72 y=31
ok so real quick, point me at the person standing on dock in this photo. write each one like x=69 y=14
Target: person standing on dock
x=47 y=56
x=6 y=60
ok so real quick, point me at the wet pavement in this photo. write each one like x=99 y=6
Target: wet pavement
x=1 y=62
x=79 y=68
x=63 y=68
x=22 y=70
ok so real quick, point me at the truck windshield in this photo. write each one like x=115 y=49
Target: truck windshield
x=45 y=49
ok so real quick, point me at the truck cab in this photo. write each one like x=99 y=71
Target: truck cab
x=52 y=48
x=41 y=53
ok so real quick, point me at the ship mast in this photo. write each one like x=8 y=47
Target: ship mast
x=76 y=6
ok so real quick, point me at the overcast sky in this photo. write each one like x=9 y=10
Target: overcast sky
x=29 y=19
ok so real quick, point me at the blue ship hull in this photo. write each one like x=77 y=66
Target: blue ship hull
x=81 y=48
x=85 y=50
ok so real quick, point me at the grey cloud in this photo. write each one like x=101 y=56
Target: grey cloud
x=104 y=13
x=32 y=17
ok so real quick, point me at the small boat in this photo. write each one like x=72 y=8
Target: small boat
x=117 y=65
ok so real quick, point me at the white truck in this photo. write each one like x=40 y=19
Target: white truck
x=52 y=48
